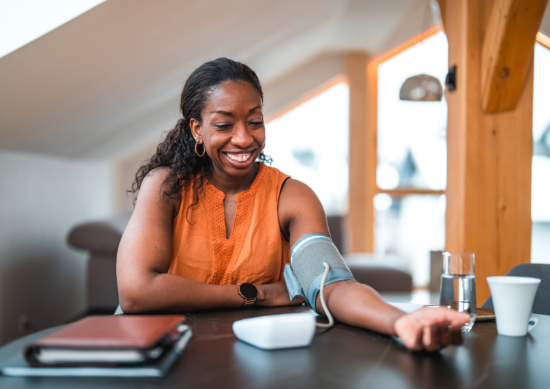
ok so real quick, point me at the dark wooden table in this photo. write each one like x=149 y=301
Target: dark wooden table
x=343 y=357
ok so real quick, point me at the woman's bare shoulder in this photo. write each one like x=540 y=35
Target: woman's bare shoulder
x=156 y=177
x=153 y=189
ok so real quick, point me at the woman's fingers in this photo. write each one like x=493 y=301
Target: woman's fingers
x=411 y=332
x=456 y=335
x=457 y=318
x=431 y=329
x=451 y=332
x=446 y=337
x=428 y=340
x=437 y=336
x=416 y=341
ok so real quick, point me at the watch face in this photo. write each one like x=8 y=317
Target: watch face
x=249 y=291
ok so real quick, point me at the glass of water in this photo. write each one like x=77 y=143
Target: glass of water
x=458 y=285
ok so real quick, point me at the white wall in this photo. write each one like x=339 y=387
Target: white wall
x=124 y=173
x=41 y=198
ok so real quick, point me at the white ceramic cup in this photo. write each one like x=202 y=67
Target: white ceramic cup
x=513 y=300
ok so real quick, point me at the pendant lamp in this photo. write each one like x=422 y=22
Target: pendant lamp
x=423 y=87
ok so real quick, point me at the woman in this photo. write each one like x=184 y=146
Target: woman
x=210 y=217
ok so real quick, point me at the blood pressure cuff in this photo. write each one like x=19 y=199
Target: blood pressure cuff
x=304 y=273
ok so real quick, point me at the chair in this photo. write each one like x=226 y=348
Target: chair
x=101 y=240
x=542 y=298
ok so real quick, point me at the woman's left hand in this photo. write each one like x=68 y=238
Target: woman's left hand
x=431 y=329
x=275 y=295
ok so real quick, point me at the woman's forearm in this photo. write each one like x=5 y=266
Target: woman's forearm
x=168 y=292
x=359 y=305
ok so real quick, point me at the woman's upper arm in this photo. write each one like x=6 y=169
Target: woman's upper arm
x=146 y=245
x=300 y=211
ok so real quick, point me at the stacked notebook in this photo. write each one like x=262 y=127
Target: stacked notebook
x=110 y=346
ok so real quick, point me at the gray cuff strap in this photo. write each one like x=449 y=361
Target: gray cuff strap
x=292 y=284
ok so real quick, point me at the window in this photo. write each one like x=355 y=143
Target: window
x=412 y=151
x=310 y=143
x=412 y=160
x=540 y=188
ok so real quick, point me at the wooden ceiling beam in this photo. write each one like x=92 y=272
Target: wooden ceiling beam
x=507 y=51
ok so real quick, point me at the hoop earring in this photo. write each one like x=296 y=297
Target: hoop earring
x=203 y=150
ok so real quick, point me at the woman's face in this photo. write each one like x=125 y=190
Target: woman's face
x=232 y=127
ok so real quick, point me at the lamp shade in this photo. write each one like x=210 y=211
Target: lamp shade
x=421 y=88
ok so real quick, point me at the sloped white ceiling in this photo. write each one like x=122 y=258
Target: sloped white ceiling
x=108 y=82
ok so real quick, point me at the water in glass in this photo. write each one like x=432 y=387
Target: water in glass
x=459 y=292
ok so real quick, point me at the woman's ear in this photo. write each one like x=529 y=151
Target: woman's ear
x=196 y=130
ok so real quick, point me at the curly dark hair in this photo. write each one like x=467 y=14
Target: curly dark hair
x=177 y=151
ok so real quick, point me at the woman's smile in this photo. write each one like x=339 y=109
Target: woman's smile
x=240 y=158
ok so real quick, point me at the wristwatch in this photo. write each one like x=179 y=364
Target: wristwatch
x=249 y=293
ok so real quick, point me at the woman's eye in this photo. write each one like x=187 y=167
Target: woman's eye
x=223 y=126
x=257 y=123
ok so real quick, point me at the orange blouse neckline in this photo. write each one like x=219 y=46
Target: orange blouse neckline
x=211 y=189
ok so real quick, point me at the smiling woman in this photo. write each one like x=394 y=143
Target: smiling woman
x=181 y=150
x=213 y=225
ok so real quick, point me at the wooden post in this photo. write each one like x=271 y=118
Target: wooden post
x=489 y=155
x=362 y=151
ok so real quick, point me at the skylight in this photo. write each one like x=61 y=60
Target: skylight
x=21 y=22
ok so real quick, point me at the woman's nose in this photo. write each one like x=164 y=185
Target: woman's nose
x=242 y=137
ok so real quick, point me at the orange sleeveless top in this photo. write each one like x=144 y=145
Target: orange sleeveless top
x=256 y=251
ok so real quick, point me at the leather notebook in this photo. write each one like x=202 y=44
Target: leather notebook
x=107 y=341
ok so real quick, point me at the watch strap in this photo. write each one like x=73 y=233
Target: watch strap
x=248 y=302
